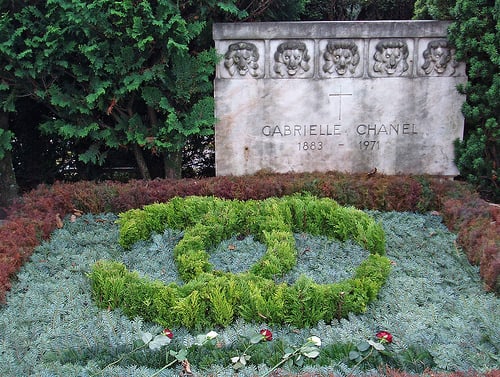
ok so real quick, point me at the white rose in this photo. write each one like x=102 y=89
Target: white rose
x=212 y=335
x=315 y=340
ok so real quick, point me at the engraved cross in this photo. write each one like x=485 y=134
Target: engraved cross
x=340 y=94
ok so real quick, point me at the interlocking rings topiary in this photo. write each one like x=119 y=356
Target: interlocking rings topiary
x=210 y=297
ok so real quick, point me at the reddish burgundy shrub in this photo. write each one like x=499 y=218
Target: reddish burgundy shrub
x=478 y=229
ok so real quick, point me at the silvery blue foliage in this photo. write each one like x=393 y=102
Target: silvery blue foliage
x=325 y=260
x=235 y=255
x=433 y=298
x=154 y=258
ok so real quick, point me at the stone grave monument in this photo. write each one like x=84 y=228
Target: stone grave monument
x=344 y=96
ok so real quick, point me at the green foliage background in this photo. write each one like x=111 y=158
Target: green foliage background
x=135 y=76
x=119 y=74
x=476 y=34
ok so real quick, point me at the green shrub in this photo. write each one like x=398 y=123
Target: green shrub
x=218 y=299
x=214 y=298
x=290 y=213
x=476 y=35
x=272 y=221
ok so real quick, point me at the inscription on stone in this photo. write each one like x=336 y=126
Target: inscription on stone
x=339 y=95
x=346 y=96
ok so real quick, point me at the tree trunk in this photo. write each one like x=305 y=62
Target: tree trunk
x=8 y=184
x=141 y=162
x=172 y=162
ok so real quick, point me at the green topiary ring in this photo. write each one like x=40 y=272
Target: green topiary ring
x=214 y=298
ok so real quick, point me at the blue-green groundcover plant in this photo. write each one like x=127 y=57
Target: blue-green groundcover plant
x=432 y=300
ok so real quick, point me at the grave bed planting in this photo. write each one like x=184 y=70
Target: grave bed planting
x=431 y=304
x=61 y=331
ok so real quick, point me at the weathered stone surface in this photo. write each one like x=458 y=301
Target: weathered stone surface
x=346 y=96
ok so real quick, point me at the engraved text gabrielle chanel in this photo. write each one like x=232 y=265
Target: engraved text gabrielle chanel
x=387 y=129
x=302 y=130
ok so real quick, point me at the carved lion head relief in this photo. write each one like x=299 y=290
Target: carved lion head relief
x=242 y=57
x=437 y=56
x=291 y=58
x=390 y=57
x=341 y=57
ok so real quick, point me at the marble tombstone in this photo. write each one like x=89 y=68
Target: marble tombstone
x=344 y=96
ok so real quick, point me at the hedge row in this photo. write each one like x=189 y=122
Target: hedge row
x=212 y=298
x=217 y=299
x=476 y=222
x=207 y=221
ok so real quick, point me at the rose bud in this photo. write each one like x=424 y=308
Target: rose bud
x=384 y=337
x=168 y=333
x=267 y=334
